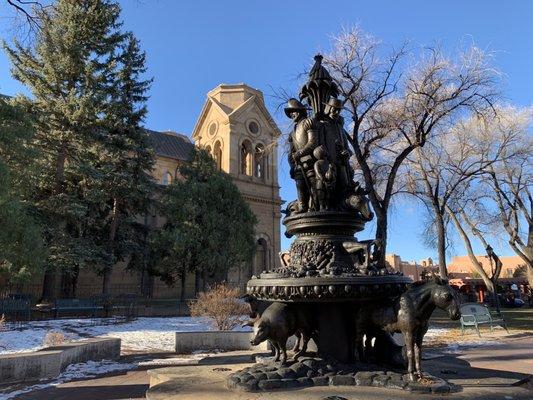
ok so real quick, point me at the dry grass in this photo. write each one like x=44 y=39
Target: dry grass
x=424 y=380
x=54 y=339
x=221 y=304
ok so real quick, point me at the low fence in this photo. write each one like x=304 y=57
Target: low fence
x=18 y=307
x=33 y=291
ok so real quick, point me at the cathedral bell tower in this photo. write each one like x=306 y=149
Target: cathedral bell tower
x=237 y=129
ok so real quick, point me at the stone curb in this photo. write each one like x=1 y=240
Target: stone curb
x=51 y=361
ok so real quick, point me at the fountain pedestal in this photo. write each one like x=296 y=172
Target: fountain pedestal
x=329 y=269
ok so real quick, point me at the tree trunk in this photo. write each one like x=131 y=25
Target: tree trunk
x=147 y=284
x=496 y=268
x=182 y=287
x=48 y=291
x=204 y=280
x=529 y=252
x=495 y=276
x=106 y=278
x=60 y=168
x=380 y=246
x=69 y=283
x=110 y=247
x=441 y=243
x=196 y=282
x=525 y=253
x=468 y=245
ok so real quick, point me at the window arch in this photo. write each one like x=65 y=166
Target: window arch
x=208 y=149
x=259 y=161
x=166 y=179
x=261 y=256
x=217 y=154
x=246 y=158
x=267 y=166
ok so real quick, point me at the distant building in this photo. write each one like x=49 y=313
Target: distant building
x=412 y=269
x=461 y=266
x=427 y=263
x=463 y=277
x=395 y=263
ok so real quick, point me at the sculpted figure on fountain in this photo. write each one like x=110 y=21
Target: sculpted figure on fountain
x=319 y=155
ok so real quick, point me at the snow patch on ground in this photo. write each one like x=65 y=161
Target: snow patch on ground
x=91 y=369
x=435 y=332
x=142 y=334
x=174 y=360
x=88 y=369
x=147 y=335
x=459 y=347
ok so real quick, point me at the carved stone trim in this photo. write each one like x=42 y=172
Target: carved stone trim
x=328 y=288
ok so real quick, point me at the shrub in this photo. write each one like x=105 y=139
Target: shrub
x=221 y=304
x=54 y=338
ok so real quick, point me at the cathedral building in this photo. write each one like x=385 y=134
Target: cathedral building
x=237 y=129
x=235 y=126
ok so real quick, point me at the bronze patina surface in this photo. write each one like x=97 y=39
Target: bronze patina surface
x=330 y=288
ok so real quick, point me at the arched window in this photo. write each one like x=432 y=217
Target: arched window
x=246 y=158
x=259 y=161
x=267 y=166
x=217 y=154
x=261 y=256
x=208 y=149
x=166 y=179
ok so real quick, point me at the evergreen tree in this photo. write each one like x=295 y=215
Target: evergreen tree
x=209 y=228
x=68 y=70
x=21 y=245
x=126 y=160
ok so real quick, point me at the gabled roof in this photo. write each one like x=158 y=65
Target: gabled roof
x=256 y=98
x=171 y=144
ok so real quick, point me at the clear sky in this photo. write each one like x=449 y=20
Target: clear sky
x=193 y=46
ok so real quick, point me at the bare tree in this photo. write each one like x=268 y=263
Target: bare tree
x=445 y=168
x=510 y=183
x=394 y=110
x=490 y=277
x=472 y=209
x=28 y=14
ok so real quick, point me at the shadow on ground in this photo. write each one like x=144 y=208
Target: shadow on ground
x=133 y=384
x=82 y=392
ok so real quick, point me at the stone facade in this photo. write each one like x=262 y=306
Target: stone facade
x=237 y=129
x=223 y=128
x=233 y=119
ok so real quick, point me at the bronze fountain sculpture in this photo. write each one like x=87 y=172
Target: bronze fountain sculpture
x=329 y=288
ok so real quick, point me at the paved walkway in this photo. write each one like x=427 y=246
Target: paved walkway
x=510 y=355
x=123 y=385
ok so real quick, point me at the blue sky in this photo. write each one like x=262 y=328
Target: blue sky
x=192 y=46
